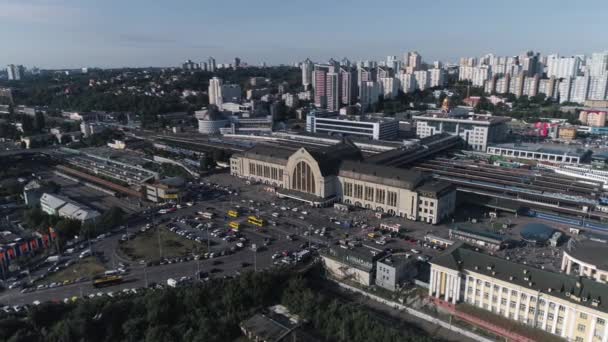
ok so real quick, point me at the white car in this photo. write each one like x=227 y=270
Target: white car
x=240 y=245
x=415 y=251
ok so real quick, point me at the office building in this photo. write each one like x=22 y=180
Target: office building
x=376 y=129
x=572 y=308
x=210 y=120
x=322 y=176
x=476 y=130
x=307 y=70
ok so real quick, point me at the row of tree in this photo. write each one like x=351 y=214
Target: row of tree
x=209 y=312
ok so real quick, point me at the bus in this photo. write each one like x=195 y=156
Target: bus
x=233 y=213
x=234 y=226
x=256 y=221
x=107 y=281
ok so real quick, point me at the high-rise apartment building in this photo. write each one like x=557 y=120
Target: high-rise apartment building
x=368 y=95
x=307 y=70
x=422 y=79
x=349 y=88
x=437 y=77
x=211 y=66
x=388 y=86
x=598 y=64
x=333 y=95
x=407 y=82
x=563 y=67
x=215 y=91
x=15 y=72
x=320 y=85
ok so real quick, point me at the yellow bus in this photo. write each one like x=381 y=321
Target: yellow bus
x=234 y=226
x=233 y=213
x=255 y=221
x=107 y=281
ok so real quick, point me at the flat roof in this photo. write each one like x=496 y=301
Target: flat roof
x=378 y=174
x=473 y=118
x=544 y=148
x=593 y=252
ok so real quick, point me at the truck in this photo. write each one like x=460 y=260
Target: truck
x=171 y=282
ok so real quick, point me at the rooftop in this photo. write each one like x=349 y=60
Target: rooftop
x=397 y=260
x=581 y=291
x=378 y=174
x=590 y=251
x=544 y=148
x=476 y=118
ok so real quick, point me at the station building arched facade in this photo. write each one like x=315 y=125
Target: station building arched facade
x=338 y=173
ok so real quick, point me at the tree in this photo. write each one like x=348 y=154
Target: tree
x=39 y=123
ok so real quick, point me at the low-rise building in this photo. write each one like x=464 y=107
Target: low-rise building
x=395 y=269
x=64 y=207
x=352 y=263
x=166 y=190
x=485 y=240
x=550 y=153
x=362 y=126
x=567 y=133
x=573 y=308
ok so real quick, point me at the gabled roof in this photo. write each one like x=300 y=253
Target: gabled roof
x=582 y=291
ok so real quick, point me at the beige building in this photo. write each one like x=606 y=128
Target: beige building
x=336 y=173
x=574 y=308
x=593 y=118
x=587 y=258
x=567 y=133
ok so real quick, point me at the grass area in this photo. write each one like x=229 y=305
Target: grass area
x=145 y=246
x=87 y=267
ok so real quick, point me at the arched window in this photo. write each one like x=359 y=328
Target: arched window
x=303 y=178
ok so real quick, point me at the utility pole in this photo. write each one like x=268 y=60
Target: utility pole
x=146 y=272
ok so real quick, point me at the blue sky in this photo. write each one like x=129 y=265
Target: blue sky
x=112 y=33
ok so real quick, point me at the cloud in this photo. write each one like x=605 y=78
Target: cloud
x=45 y=12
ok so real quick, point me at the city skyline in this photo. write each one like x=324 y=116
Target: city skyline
x=71 y=34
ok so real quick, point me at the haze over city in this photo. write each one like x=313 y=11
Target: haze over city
x=71 y=33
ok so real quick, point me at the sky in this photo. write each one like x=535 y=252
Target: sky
x=140 y=33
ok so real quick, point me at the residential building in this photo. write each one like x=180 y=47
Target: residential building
x=307 y=70
x=211 y=66
x=598 y=64
x=388 y=87
x=407 y=82
x=333 y=93
x=569 y=307
x=349 y=87
x=476 y=130
x=437 y=77
x=594 y=118
x=215 y=91
x=15 y=72
x=563 y=67
x=422 y=79
x=368 y=95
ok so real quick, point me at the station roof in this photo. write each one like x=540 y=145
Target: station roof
x=384 y=175
x=544 y=148
x=593 y=252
